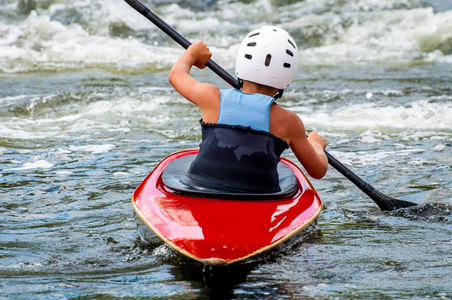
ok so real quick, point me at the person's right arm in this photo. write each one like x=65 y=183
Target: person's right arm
x=196 y=92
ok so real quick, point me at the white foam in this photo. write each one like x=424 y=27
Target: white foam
x=416 y=115
x=356 y=32
x=64 y=173
x=95 y=149
x=17 y=98
x=39 y=164
x=439 y=148
x=43 y=44
x=111 y=115
x=124 y=106
x=364 y=159
x=120 y=174
x=397 y=36
x=10 y=130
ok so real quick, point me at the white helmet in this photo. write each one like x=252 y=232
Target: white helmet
x=267 y=56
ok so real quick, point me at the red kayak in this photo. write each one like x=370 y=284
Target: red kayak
x=223 y=228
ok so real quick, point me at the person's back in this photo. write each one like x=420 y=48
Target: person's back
x=238 y=152
x=244 y=132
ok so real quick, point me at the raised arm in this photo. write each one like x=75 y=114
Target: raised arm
x=201 y=94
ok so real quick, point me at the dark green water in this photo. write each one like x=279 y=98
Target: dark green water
x=86 y=112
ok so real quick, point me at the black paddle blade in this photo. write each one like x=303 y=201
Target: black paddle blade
x=385 y=202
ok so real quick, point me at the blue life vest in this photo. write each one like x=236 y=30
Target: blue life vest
x=239 y=153
x=238 y=108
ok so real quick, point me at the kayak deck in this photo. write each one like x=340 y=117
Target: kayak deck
x=219 y=231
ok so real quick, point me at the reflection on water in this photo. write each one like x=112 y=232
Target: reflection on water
x=223 y=282
x=213 y=283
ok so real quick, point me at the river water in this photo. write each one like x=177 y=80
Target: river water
x=86 y=111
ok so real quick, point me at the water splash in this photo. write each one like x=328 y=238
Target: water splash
x=73 y=35
x=431 y=212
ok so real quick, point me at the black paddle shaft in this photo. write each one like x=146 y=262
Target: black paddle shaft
x=148 y=14
x=383 y=201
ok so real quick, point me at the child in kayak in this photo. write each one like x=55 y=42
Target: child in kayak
x=244 y=132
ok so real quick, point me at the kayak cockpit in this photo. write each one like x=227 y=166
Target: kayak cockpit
x=174 y=177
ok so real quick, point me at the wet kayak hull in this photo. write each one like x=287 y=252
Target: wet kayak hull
x=222 y=231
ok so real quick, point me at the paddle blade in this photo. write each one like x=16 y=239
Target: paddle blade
x=388 y=203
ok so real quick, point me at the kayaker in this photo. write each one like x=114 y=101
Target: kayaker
x=244 y=132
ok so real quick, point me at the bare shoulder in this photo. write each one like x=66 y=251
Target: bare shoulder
x=207 y=96
x=285 y=123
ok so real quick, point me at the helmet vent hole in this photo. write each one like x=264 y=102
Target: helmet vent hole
x=248 y=56
x=251 y=44
x=268 y=59
x=289 y=52
x=286 y=65
x=254 y=34
x=293 y=45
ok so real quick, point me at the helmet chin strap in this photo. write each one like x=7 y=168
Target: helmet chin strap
x=278 y=94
